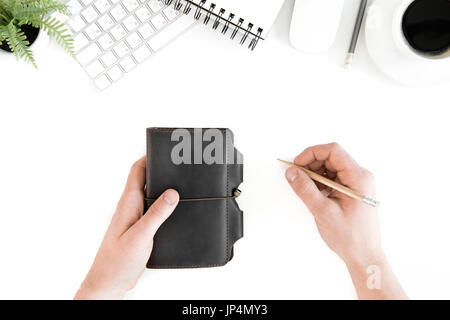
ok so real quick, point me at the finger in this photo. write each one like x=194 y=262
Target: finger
x=131 y=203
x=134 y=188
x=316 y=165
x=330 y=174
x=336 y=159
x=319 y=171
x=329 y=167
x=136 y=177
x=155 y=216
x=306 y=189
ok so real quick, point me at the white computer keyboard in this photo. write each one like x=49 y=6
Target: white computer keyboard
x=111 y=37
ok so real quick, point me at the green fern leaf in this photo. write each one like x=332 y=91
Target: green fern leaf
x=4 y=20
x=5 y=12
x=4 y=16
x=7 y=5
x=52 y=5
x=24 y=14
x=25 y=11
x=58 y=31
x=18 y=43
x=15 y=13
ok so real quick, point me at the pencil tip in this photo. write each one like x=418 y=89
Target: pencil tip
x=286 y=162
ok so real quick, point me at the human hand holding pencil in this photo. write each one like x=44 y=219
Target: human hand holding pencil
x=333 y=185
x=348 y=226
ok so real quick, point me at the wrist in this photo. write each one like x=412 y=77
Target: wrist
x=366 y=259
x=93 y=290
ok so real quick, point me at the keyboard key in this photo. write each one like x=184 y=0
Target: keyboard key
x=158 y=21
x=130 y=23
x=143 y=13
x=134 y=40
x=146 y=31
x=105 y=22
x=93 y=31
x=121 y=49
x=118 y=32
x=108 y=59
x=74 y=6
x=155 y=5
x=171 y=31
x=102 y=5
x=102 y=82
x=142 y=53
x=105 y=41
x=115 y=73
x=121 y=34
x=89 y=14
x=76 y=23
x=88 y=54
x=130 y=4
x=171 y=13
x=118 y=12
x=127 y=64
x=80 y=41
x=94 y=69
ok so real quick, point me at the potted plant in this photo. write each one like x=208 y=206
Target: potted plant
x=22 y=20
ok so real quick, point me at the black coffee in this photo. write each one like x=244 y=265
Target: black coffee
x=426 y=26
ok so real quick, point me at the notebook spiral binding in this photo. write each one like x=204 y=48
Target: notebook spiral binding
x=210 y=14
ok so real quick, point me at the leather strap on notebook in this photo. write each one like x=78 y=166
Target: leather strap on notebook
x=235 y=195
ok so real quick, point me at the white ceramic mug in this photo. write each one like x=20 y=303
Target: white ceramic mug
x=403 y=44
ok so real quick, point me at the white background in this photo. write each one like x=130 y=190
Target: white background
x=66 y=149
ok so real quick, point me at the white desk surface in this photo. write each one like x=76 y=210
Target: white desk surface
x=66 y=149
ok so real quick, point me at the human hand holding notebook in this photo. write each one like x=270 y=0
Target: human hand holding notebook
x=124 y=251
x=206 y=170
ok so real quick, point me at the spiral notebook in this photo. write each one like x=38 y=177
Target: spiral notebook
x=248 y=20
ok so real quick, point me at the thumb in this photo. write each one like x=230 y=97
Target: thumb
x=155 y=216
x=306 y=189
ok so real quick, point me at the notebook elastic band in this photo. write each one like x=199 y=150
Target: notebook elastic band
x=235 y=195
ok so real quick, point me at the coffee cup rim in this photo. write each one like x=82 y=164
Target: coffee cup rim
x=400 y=39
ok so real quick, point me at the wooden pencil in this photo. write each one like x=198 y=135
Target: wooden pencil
x=335 y=186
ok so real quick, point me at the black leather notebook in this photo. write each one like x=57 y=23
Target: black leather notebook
x=206 y=169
